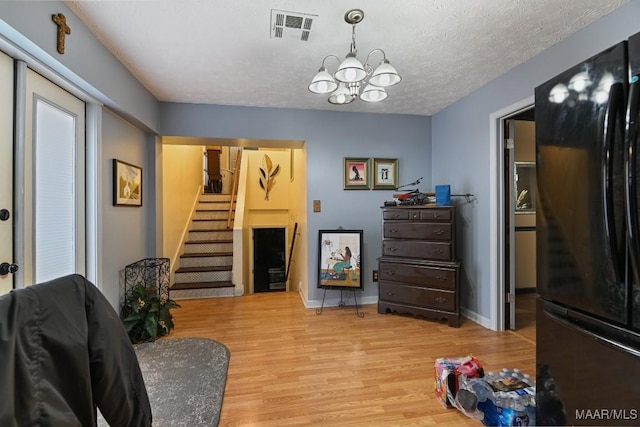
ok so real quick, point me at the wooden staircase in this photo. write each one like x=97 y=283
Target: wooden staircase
x=205 y=266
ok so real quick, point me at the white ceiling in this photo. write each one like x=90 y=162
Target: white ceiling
x=222 y=52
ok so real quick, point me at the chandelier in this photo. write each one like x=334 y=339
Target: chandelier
x=345 y=85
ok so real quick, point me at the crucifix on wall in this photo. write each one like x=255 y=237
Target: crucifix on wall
x=63 y=28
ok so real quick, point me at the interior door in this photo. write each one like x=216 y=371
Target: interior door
x=6 y=169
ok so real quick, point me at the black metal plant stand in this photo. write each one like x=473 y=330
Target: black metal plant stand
x=151 y=273
x=341 y=303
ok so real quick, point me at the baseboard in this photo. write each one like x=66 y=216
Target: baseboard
x=335 y=302
x=475 y=317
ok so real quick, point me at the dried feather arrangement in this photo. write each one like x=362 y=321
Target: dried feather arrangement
x=267 y=176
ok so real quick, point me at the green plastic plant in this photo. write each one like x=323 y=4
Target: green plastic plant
x=146 y=314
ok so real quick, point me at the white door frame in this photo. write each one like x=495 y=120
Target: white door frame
x=27 y=54
x=6 y=167
x=497 y=209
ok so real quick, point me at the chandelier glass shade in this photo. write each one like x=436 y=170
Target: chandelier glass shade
x=345 y=85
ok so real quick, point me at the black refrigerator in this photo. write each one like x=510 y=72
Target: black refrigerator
x=588 y=242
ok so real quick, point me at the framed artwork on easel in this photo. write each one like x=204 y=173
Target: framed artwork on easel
x=340 y=259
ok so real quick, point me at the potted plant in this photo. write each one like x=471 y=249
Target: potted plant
x=146 y=314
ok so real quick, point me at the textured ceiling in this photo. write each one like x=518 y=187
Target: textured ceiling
x=222 y=51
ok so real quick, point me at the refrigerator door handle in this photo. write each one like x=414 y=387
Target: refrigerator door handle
x=616 y=99
x=631 y=190
x=607 y=341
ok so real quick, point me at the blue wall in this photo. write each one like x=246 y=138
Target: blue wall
x=462 y=146
x=125 y=229
x=328 y=136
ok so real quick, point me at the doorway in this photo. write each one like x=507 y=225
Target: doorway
x=520 y=194
x=269 y=260
x=214 y=175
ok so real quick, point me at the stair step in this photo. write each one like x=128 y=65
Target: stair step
x=226 y=202
x=178 y=294
x=212 y=206
x=214 y=246
x=210 y=235
x=202 y=285
x=206 y=254
x=196 y=242
x=208 y=215
x=209 y=224
x=215 y=196
x=207 y=260
x=225 y=273
x=203 y=269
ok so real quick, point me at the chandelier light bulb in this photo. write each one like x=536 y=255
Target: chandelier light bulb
x=341 y=96
x=373 y=93
x=323 y=82
x=350 y=70
x=385 y=75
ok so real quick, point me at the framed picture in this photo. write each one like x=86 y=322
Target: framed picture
x=356 y=173
x=127 y=184
x=340 y=259
x=385 y=174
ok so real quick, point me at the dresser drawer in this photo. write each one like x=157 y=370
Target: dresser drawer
x=413 y=295
x=417 y=230
x=438 y=251
x=430 y=214
x=418 y=275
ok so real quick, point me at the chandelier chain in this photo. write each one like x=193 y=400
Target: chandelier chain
x=353 y=39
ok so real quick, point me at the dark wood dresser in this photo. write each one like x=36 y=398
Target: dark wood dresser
x=418 y=270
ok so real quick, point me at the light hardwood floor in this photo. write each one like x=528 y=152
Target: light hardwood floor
x=292 y=367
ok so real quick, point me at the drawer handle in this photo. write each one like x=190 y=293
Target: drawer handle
x=441 y=300
x=442 y=278
x=438 y=251
x=415 y=215
x=392 y=249
x=390 y=272
x=439 y=232
x=390 y=293
x=393 y=230
x=436 y=215
x=396 y=216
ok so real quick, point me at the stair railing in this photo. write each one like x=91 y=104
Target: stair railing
x=234 y=189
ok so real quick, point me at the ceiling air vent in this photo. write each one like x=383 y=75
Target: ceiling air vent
x=290 y=25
